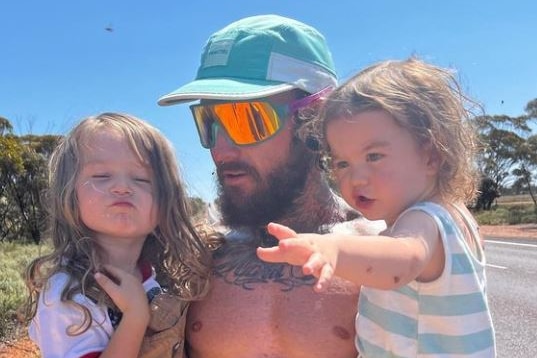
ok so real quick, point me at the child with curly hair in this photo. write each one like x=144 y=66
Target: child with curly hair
x=126 y=258
x=400 y=149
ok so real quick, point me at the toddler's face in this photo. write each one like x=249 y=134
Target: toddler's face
x=115 y=190
x=378 y=166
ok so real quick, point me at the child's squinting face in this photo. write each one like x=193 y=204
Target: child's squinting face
x=378 y=166
x=115 y=190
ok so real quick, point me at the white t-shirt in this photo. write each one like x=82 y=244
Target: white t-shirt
x=55 y=318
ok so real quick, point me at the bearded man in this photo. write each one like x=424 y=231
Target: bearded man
x=259 y=81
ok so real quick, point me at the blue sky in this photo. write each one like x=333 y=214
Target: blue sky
x=59 y=63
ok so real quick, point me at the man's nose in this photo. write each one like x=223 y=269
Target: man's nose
x=224 y=149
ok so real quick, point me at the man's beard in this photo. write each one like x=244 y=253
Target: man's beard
x=274 y=194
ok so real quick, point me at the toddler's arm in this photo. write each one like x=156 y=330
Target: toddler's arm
x=412 y=251
x=130 y=297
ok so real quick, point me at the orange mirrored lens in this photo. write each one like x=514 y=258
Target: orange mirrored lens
x=249 y=122
x=244 y=122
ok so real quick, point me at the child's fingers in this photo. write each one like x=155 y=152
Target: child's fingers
x=280 y=232
x=320 y=268
x=285 y=253
x=112 y=280
x=313 y=265
x=106 y=283
x=292 y=251
x=116 y=272
x=270 y=254
x=124 y=289
x=326 y=274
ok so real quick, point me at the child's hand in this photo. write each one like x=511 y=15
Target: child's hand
x=311 y=251
x=128 y=293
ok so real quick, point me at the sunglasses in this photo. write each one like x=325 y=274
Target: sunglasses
x=247 y=122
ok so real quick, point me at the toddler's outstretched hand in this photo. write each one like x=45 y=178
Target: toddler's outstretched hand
x=311 y=251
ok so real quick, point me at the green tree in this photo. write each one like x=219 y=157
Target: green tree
x=531 y=109
x=23 y=162
x=43 y=144
x=5 y=126
x=11 y=164
x=27 y=192
x=501 y=137
x=507 y=152
x=525 y=170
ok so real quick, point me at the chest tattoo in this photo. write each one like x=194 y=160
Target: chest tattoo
x=238 y=264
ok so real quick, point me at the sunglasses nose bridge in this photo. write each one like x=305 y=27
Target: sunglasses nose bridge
x=210 y=129
x=219 y=135
x=223 y=148
x=209 y=132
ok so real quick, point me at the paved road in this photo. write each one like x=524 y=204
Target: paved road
x=512 y=292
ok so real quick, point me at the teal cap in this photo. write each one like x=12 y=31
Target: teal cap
x=256 y=57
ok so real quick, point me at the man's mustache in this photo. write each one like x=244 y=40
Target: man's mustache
x=236 y=166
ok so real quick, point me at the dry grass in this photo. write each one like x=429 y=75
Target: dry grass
x=515 y=199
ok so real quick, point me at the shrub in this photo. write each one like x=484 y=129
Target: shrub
x=13 y=261
x=507 y=214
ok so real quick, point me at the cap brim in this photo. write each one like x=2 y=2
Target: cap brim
x=223 y=89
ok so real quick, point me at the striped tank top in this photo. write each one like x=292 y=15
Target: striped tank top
x=447 y=317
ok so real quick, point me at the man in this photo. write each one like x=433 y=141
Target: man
x=258 y=81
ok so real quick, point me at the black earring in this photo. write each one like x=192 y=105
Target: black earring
x=313 y=143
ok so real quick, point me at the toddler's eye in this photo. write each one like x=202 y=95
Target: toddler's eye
x=100 y=176
x=340 y=164
x=373 y=157
x=142 y=178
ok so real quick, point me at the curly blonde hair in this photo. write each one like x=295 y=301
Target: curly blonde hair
x=175 y=249
x=426 y=100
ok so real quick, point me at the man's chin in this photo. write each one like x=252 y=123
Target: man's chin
x=257 y=205
x=235 y=194
x=235 y=210
x=259 y=200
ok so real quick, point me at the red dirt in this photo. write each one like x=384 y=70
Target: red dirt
x=21 y=348
x=526 y=231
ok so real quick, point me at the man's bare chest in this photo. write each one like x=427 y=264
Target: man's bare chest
x=238 y=265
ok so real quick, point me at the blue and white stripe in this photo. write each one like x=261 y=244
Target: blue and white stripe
x=448 y=317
